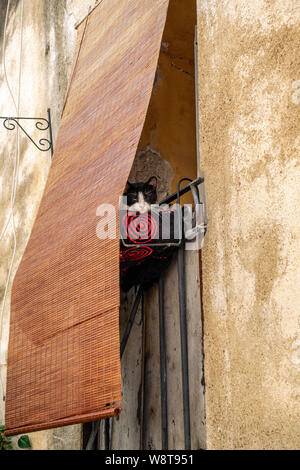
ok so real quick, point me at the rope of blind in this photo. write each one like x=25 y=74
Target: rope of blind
x=97 y=3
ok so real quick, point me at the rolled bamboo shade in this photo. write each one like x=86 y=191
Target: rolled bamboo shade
x=64 y=355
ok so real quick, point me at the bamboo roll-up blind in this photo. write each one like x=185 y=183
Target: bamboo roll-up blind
x=64 y=357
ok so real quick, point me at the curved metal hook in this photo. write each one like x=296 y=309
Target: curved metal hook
x=42 y=124
x=44 y=142
x=8 y=124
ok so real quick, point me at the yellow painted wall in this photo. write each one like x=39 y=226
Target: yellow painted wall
x=170 y=125
x=249 y=110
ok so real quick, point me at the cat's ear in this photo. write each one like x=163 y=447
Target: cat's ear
x=152 y=181
x=128 y=186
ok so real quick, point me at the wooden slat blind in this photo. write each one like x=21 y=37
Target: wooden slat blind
x=63 y=357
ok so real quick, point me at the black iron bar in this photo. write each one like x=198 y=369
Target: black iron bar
x=50 y=131
x=184 y=349
x=131 y=320
x=99 y=435
x=143 y=394
x=107 y=443
x=92 y=438
x=182 y=191
x=163 y=367
x=109 y=422
x=111 y=426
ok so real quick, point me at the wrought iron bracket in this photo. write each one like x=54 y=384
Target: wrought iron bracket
x=42 y=124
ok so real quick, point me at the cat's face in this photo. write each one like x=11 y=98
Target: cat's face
x=140 y=196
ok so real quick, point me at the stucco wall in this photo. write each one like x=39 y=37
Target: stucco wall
x=249 y=140
x=48 y=44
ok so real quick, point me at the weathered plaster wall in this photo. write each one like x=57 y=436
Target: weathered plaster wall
x=249 y=108
x=48 y=44
x=170 y=124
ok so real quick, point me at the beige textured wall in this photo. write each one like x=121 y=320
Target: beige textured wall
x=249 y=106
x=48 y=44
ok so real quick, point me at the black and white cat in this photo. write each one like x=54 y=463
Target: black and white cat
x=140 y=196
